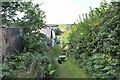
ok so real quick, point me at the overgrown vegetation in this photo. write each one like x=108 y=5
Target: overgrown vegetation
x=57 y=51
x=34 y=61
x=95 y=41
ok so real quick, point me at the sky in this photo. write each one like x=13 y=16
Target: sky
x=66 y=11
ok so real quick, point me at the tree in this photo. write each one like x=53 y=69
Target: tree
x=34 y=59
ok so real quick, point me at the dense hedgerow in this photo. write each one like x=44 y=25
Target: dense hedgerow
x=95 y=41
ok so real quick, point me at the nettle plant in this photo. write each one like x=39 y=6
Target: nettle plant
x=34 y=59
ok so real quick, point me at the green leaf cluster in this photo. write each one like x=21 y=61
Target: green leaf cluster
x=34 y=61
x=95 y=41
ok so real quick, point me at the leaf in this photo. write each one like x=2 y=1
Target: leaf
x=51 y=72
x=107 y=68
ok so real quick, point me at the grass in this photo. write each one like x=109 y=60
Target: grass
x=68 y=69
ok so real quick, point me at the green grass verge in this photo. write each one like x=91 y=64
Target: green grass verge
x=68 y=69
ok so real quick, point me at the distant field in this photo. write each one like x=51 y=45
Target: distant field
x=62 y=27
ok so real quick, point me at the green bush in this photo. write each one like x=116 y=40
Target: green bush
x=95 y=41
x=57 y=50
x=34 y=60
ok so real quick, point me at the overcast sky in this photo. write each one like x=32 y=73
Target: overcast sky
x=66 y=11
